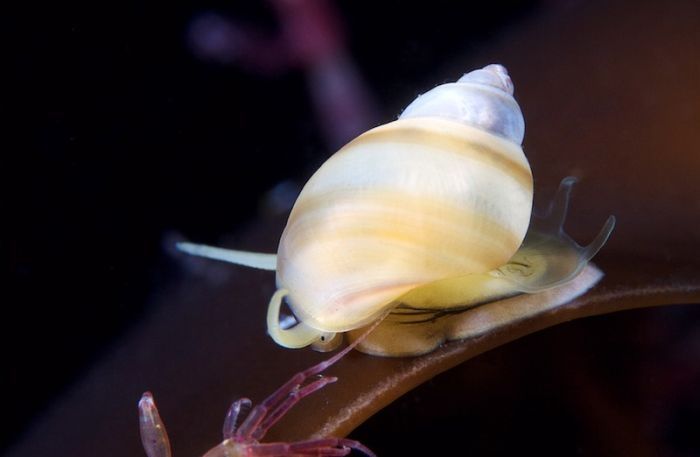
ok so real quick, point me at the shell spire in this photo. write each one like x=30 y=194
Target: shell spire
x=481 y=98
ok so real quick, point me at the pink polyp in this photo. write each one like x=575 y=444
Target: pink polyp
x=294 y=397
x=153 y=436
x=229 y=428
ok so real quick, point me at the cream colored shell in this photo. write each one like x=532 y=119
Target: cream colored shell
x=407 y=203
x=423 y=217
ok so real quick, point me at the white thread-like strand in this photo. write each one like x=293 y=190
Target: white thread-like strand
x=245 y=258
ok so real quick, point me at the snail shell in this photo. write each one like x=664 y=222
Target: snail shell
x=425 y=210
x=439 y=193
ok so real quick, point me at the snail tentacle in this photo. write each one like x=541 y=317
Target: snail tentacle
x=559 y=207
x=245 y=258
x=600 y=239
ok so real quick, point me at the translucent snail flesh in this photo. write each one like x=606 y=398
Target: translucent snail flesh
x=426 y=213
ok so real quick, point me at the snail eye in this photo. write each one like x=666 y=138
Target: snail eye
x=327 y=342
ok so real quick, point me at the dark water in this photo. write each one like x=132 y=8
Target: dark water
x=122 y=135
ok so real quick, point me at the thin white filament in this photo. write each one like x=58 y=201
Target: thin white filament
x=245 y=258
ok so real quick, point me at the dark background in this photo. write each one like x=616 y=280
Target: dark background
x=120 y=136
x=120 y=139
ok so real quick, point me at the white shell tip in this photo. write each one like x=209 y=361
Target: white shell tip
x=494 y=75
x=481 y=98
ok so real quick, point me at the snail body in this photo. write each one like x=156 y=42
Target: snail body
x=425 y=210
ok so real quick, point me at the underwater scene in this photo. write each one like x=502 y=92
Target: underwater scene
x=303 y=227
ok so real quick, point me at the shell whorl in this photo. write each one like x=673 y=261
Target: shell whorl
x=402 y=205
x=482 y=98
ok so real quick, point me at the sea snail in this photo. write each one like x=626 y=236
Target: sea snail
x=426 y=213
